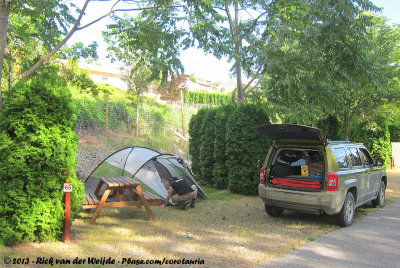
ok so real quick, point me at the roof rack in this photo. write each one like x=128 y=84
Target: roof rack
x=339 y=142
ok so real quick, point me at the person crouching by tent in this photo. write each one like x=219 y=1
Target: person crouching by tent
x=181 y=191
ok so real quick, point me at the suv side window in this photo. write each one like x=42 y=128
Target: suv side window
x=366 y=156
x=342 y=158
x=354 y=157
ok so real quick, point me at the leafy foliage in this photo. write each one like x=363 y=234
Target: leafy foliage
x=79 y=77
x=332 y=127
x=376 y=137
x=173 y=90
x=35 y=28
x=152 y=39
x=207 y=146
x=195 y=140
x=37 y=153
x=220 y=171
x=394 y=132
x=334 y=58
x=237 y=30
x=246 y=148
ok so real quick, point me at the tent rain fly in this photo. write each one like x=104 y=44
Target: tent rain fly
x=150 y=168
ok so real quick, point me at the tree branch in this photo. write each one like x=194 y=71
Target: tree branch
x=55 y=49
x=255 y=76
x=112 y=11
x=230 y=23
x=252 y=25
x=76 y=27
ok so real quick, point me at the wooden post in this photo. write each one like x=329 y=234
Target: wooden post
x=107 y=112
x=183 y=115
x=67 y=226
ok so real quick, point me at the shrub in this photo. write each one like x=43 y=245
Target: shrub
x=332 y=127
x=194 y=141
x=207 y=146
x=37 y=152
x=246 y=148
x=394 y=130
x=376 y=137
x=220 y=172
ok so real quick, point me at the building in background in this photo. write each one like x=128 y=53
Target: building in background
x=111 y=74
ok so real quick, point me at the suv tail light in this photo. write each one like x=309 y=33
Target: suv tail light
x=333 y=183
x=262 y=175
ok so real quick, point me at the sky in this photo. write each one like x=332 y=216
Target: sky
x=194 y=60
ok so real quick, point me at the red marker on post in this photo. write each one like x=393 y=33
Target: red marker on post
x=67 y=227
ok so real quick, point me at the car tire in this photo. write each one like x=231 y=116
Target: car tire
x=273 y=211
x=346 y=215
x=380 y=199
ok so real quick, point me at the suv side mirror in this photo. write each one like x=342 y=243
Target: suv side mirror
x=379 y=162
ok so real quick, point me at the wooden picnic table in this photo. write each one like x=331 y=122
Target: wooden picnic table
x=115 y=196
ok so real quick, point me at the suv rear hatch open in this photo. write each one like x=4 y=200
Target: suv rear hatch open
x=293 y=132
x=297 y=160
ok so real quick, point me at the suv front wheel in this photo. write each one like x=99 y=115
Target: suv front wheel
x=346 y=215
x=273 y=211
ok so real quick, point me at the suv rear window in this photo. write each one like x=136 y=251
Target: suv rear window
x=341 y=158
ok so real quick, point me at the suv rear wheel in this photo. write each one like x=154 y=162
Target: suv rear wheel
x=273 y=211
x=380 y=199
x=346 y=215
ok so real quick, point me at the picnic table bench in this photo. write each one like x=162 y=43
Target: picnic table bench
x=116 y=194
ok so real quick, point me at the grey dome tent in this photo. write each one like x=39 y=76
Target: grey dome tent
x=153 y=170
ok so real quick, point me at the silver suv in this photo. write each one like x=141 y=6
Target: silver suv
x=305 y=172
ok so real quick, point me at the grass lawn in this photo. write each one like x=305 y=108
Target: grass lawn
x=226 y=230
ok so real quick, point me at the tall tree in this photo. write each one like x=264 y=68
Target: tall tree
x=337 y=59
x=54 y=21
x=148 y=45
x=152 y=38
x=235 y=29
x=138 y=79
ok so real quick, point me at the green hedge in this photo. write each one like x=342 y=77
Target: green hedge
x=207 y=98
x=246 y=148
x=195 y=140
x=376 y=137
x=238 y=148
x=37 y=153
x=207 y=146
x=220 y=171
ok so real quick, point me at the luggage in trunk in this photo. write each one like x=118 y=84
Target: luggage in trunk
x=298 y=169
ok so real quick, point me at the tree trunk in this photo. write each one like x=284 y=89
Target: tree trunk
x=4 y=13
x=240 y=95
x=137 y=116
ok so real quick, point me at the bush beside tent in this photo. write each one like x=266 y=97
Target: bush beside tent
x=37 y=153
